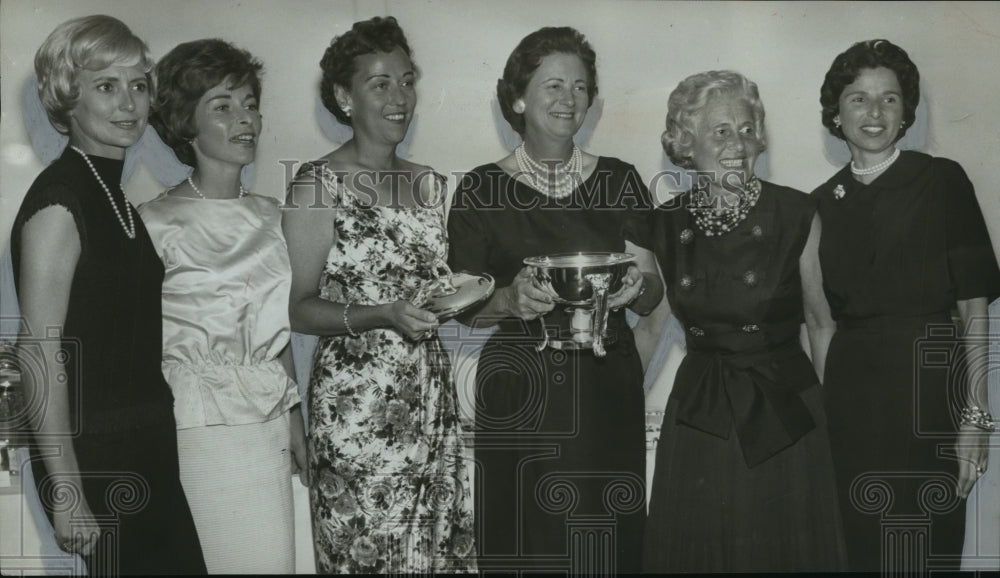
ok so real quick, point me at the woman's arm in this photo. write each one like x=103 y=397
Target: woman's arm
x=50 y=251
x=642 y=288
x=973 y=443
x=309 y=233
x=297 y=430
x=650 y=327
x=522 y=299
x=819 y=321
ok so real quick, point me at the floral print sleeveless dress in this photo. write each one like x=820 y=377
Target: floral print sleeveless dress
x=389 y=485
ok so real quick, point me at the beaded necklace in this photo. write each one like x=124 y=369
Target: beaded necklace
x=557 y=182
x=197 y=191
x=130 y=228
x=716 y=221
x=875 y=168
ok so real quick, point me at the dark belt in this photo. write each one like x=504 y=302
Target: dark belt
x=895 y=323
x=749 y=390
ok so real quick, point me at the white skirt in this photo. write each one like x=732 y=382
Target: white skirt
x=238 y=481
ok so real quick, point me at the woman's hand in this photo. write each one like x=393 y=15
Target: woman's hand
x=414 y=323
x=82 y=535
x=525 y=298
x=632 y=286
x=297 y=443
x=973 y=457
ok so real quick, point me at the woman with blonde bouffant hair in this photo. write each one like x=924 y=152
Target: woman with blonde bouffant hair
x=84 y=263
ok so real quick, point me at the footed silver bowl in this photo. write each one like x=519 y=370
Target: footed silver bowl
x=583 y=280
x=566 y=273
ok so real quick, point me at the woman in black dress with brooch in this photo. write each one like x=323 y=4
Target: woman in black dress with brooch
x=903 y=243
x=105 y=453
x=559 y=434
x=743 y=479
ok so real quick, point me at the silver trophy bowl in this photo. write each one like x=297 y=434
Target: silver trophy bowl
x=583 y=280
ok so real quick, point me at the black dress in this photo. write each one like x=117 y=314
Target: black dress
x=121 y=407
x=896 y=255
x=743 y=479
x=560 y=449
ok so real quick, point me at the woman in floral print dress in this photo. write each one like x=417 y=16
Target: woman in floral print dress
x=366 y=236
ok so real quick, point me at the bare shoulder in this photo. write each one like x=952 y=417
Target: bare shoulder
x=313 y=187
x=54 y=222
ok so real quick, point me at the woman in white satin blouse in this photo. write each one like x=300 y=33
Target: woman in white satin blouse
x=225 y=314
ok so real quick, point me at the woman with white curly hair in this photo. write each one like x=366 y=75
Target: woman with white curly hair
x=744 y=479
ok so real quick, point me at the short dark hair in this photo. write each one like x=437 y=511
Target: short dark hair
x=870 y=54
x=184 y=75
x=338 y=64
x=528 y=55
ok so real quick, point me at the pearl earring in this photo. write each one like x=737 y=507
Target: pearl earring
x=836 y=121
x=518 y=106
x=347 y=111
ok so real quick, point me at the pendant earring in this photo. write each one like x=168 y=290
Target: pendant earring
x=836 y=121
x=347 y=111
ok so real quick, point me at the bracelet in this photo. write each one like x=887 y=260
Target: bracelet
x=978 y=418
x=347 y=324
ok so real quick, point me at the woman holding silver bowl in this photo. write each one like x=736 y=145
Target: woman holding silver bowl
x=744 y=478
x=559 y=432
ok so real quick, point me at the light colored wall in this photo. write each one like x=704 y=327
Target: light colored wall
x=644 y=49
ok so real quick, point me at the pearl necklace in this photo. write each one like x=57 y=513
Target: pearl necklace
x=875 y=168
x=243 y=192
x=130 y=228
x=717 y=221
x=557 y=182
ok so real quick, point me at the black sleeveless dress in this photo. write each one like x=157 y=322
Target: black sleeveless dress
x=121 y=406
x=743 y=480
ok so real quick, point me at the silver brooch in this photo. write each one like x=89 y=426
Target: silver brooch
x=839 y=192
x=687 y=235
x=750 y=278
x=697 y=331
x=757 y=232
x=686 y=282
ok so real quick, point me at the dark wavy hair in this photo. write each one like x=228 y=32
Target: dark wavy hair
x=528 y=55
x=375 y=35
x=184 y=75
x=870 y=54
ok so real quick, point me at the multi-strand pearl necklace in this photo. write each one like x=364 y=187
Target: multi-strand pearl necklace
x=875 y=168
x=557 y=182
x=130 y=228
x=197 y=191
x=716 y=221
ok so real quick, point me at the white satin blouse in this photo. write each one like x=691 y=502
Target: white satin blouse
x=225 y=307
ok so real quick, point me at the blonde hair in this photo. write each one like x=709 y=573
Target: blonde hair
x=688 y=100
x=91 y=43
